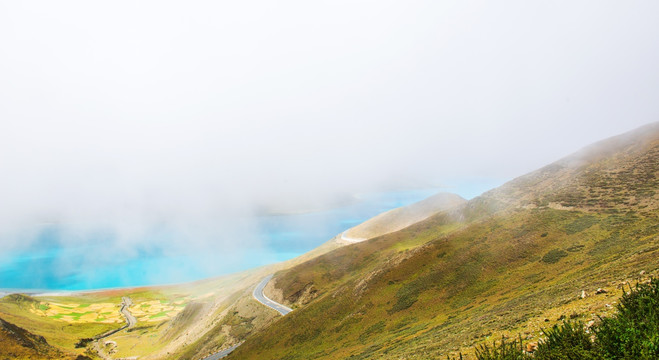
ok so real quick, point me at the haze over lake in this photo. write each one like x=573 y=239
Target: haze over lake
x=141 y=142
x=51 y=262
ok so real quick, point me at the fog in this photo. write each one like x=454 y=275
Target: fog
x=127 y=116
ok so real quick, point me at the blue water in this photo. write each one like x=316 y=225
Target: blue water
x=98 y=263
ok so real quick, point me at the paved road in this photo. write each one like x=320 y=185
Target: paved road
x=130 y=319
x=260 y=297
x=126 y=302
x=349 y=239
x=223 y=353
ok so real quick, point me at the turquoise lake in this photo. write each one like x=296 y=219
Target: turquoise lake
x=48 y=265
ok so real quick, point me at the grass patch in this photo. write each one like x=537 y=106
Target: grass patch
x=554 y=256
x=160 y=314
x=580 y=224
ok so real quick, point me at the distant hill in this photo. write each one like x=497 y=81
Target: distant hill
x=515 y=260
x=619 y=172
x=402 y=217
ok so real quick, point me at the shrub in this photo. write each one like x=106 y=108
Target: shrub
x=568 y=341
x=503 y=351
x=405 y=297
x=82 y=343
x=580 y=224
x=554 y=256
x=633 y=333
x=575 y=248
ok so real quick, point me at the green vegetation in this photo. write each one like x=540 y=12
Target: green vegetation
x=239 y=322
x=402 y=217
x=553 y=256
x=503 y=351
x=63 y=335
x=632 y=333
x=514 y=260
x=567 y=341
x=160 y=314
x=18 y=343
x=580 y=224
x=473 y=280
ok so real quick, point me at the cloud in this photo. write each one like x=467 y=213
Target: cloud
x=128 y=115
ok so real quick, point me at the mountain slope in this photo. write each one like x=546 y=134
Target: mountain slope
x=402 y=217
x=18 y=343
x=509 y=262
x=619 y=172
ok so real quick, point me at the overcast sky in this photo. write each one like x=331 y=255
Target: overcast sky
x=134 y=112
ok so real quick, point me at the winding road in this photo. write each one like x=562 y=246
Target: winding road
x=223 y=353
x=260 y=297
x=130 y=319
x=126 y=302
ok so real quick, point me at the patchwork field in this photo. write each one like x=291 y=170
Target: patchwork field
x=107 y=312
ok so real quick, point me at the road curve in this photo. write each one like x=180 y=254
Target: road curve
x=350 y=239
x=221 y=354
x=130 y=319
x=126 y=302
x=260 y=297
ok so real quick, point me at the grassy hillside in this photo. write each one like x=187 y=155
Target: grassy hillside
x=18 y=343
x=402 y=217
x=61 y=334
x=513 y=261
x=169 y=319
x=510 y=262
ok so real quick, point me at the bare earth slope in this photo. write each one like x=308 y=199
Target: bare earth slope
x=510 y=262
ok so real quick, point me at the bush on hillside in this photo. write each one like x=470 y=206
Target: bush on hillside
x=503 y=351
x=580 y=224
x=554 y=256
x=633 y=333
x=568 y=341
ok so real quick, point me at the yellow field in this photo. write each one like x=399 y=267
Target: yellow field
x=146 y=311
x=157 y=310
